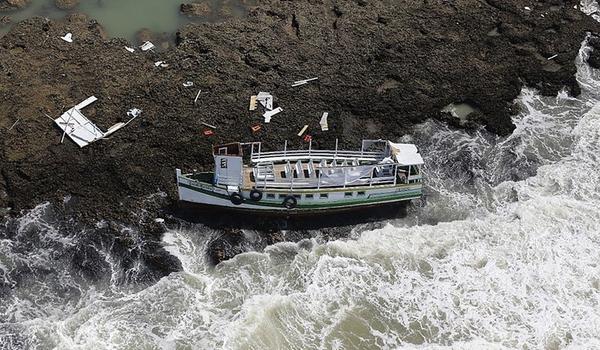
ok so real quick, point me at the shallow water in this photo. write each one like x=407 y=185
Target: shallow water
x=124 y=18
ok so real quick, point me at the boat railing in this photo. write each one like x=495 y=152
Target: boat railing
x=257 y=155
x=386 y=174
x=316 y=154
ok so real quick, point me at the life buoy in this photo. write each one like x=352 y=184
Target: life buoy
x=236 y=198
x=290 y=202
x=256 y=195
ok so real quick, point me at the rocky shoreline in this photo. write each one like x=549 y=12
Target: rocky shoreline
x=382 y=66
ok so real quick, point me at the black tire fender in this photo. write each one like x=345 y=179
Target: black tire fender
x=256 y=195
x=290 y=202
x=236 y=198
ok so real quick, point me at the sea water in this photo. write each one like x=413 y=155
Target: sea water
x=124 y=18
x=504 y=254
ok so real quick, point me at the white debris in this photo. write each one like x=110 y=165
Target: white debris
x=188 y=84
x=209 y=125
x=323 y=122
x=130 y=49
x=80 y=129
x=159 y=220
x=303 y=82
x=68 y=37
x=134 y=112
x=197 y=96
x=266 y=100
x=269 y=114
x=303 y=130
x=147 y=46
x=527 y=8
x=162 y=64
x=552 y=57
x=252 y=106
x=9 y=129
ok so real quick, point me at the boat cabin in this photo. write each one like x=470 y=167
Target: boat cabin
x=378 y=162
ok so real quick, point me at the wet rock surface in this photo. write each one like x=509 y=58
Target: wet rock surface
x=383 y=66
x=196 y=9
x=7 y=5
x=66 y=4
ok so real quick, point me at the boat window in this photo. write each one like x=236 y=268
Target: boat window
x=310 y=196
x=282 y=196
x=223 y=150
x=283 y=174
x=297 y=196
x=324 y=195
x=306 y=173
x=348 y=194
x=361 y=193
x=270 y=195
x=414 y=170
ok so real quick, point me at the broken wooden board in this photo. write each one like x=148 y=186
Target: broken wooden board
x=303 y=130
x=252 y=106
x=266 y=100
x=323 y=122
x=303 y=82
x=77 y=126
x=269 y=114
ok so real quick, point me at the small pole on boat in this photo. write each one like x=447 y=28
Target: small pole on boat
x=319 y=182
x=309 y=146
x=336 y=148
x=285 y=149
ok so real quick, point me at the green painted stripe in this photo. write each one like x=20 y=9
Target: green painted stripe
x=405 y=195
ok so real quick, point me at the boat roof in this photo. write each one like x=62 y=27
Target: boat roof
x=402 y=153
x=406 y=153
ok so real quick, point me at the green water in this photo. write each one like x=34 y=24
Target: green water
x=124 y=18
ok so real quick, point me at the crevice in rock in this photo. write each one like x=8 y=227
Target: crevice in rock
x=296 y=25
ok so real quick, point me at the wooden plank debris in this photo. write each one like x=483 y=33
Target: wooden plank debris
x=252 y=106
x=81 y=130
x=15 y=123
x=269 y=114
x=197 y=96
x=303 y=82
x=303 y=131
x=255 y=128
x=266 y=100
x=208 y=125
x=323 y=122
x=147 y=46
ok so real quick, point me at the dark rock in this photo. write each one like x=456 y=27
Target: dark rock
x=8 y=5
x=224 y=247
x=383 y=67
x=594 y=58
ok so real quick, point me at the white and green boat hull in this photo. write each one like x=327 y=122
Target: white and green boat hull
x=306 y=200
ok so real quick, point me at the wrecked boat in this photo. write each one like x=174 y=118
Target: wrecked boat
x=305 y=181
